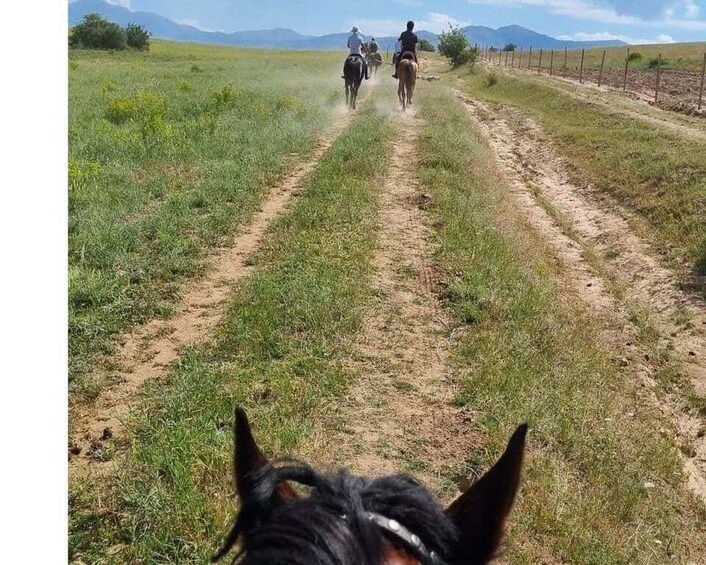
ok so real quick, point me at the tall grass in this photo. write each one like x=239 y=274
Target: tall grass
x=278 y=352
x=170 y=151
x=530 y=353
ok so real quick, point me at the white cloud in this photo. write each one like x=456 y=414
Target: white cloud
x=123 y=3
x=607 y=36
x=434 y=21
x=588 y=10
x=691 y=9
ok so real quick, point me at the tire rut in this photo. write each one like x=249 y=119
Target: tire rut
x=399 y=415
x=614 y=272
x=150 y=349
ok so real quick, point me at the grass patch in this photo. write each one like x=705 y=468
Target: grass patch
x=278 y=352
x=531 y=355
x=658 y=175
x=169 y=151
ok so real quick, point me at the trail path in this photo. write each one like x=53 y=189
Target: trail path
x=616 y=102
x=399 y=414
x=150 y=349
x=610 y=267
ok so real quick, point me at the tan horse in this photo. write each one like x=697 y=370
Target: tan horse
x=407 y=79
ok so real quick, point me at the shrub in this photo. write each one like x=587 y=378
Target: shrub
x=137 y=37
x=491 y=80
x=144 y=107
x=94 y=32
x=426 y=45
x=635 y=56
x=454 y=45
x=196 y=69
x=510 y=47
x=654 y=63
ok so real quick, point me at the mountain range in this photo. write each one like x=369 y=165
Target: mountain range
x=164 y=28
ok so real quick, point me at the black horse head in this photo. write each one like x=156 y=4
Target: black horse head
x=351 y=520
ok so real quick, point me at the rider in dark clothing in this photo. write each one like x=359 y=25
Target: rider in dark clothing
x=409 y=41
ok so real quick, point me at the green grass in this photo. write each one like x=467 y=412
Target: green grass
x=531 y=354
x=278 y=353
x=169 y=151
x=653 y=172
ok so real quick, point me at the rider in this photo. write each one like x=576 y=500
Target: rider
x=356 y=47
x=373 y=47
x=409 y=41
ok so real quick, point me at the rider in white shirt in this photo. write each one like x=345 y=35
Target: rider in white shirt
x=356 y=47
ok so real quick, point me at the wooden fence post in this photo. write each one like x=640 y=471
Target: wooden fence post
x=551 y=64
x=500 y=57
x=507 y=54
x=539 y=68
x=519 y=62
x=512 y=60
x=600 y=74
x=581 y=71
x=566 y=56
x=659 y=73
x=625 y=73
x=701 y=89
x=529 y=60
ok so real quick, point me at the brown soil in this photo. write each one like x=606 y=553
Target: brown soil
x=610 y=267
x=399 y=415
x=148 y=351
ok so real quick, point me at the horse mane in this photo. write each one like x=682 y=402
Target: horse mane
x=329 y=526
x=408 y=55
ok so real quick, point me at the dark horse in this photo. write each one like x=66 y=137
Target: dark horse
x=351 y=520
x=354 y=73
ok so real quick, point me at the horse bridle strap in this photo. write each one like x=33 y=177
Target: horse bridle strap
x=411 y=541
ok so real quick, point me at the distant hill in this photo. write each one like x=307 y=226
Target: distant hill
x=164 y=28
x=523 y=37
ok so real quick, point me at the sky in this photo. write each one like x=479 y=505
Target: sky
x=634 y=21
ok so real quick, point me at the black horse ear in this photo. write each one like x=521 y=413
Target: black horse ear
x=480 y=512
x=249 y=459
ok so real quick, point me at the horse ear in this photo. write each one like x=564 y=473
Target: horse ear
x=249 y=459
x=480 y=512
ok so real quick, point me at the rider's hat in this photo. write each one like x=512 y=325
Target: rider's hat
x=355 y=28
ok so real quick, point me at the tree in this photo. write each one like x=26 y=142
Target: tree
x=137 y=37
x=509 y=47
x=426 y=45
x=94 y=32
x=454 y=45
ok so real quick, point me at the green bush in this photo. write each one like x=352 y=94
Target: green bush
x=426 y=45
x=656 y=62
x=491 y=80
x=137 y=37
x=94 y=32
x=510 y=47
x=635 y=56
x=454 y=45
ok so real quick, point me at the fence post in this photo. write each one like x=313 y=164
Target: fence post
x=500 y=57
x=659 y=72
x=507 y=54
x=529 y=60
x=512 y=60
x=519 y=62
x=625 y=74
x=551 y=64
x=701 y=88
x=581 y=71
x=600 y=75
x=539 y=68
x=566 y=56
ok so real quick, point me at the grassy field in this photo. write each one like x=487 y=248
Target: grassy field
x=171 y=150
x=679 y=56
x=531 y=354
x=277 y=353
x=657 y=174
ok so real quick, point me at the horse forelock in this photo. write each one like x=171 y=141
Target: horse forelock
x=330 y=526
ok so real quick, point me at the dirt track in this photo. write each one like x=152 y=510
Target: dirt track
x=399 y=414
x=610 y=268
x=150 y=349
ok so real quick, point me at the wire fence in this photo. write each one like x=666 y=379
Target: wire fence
x=674 y=89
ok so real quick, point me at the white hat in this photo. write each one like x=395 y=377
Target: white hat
x=355 y=29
